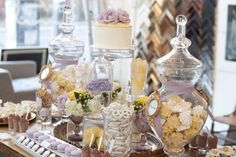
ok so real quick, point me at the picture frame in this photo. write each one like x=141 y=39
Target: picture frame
x=39 y=55
x=224 y=35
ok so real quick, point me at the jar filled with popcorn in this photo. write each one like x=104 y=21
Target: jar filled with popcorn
x=118 y=119
x=65 y=51
x=176 y=111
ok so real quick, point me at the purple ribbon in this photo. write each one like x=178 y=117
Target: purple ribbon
x=60 y=62
x=175 y=88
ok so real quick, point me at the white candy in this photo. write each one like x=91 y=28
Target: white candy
x=118 y=126
x=198 y=110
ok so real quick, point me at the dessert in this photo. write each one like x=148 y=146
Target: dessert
x=69 y=149
x=99 y=85
x=42 y=138
x=52 y=155
x=98 y=132
x=138 y=76
x=16 y=120
x=61 y=148
x=46 y=153
x=95 y=153
x=118 y=124
x=40 y=150
x=225 y=151
x=202 y=140
x=212 y=142
x=26 y=141
x=21 y=138
x=76 y=153
x=30 y=132
x=35 y=147
x=23 y=125
x=86 y=151
x=10 y=121
x=36 y=135
x=180 y=122
x=113 y=23
x=29 y=145
x=54 y=145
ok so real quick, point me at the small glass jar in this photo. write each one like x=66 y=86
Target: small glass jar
x=101 y=76
x=118 y=120
x=93 y=124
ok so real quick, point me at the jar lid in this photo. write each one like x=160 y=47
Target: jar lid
x=65 y=45
x=179 y=64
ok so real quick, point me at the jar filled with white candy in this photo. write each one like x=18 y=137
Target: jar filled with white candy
x=118 y=120
x=177 y=111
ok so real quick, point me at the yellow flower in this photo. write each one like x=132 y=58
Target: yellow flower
x=71 y=95
x=143 y=100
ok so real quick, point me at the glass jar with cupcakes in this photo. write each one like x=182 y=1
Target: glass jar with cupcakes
x=60 y=75
x=177 y=111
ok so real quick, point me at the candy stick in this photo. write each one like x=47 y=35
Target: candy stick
x=100 y=143
x=21 y=110
x=111 y=146
x=16 y=109
x=208 y=132
x=91 y=140
x=27 y=113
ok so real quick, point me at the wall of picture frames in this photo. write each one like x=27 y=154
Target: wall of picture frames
x=153 y=39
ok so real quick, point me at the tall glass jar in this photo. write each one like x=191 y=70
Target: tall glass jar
x=65 y=51
x=176 y=111
x=118 y=119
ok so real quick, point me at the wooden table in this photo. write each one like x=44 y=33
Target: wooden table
x=8 y=149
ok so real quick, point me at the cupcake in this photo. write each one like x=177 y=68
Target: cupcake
x=36 y=135
x=76 y=153
x=41 y=138
x=95 y=153
x=86 y=151
x=54 y=145
x=23 y=125
x=61 y=148
x=69 y=149
x=30 y=132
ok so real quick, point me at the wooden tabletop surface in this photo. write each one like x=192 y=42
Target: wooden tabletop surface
x=8 y=149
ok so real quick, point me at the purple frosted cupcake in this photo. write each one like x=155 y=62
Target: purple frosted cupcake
x=69 y=149
x=54 y=145
x=76 y=153
x=41 y=138
x=36 y=135
x=61 y=148
x=30 y=132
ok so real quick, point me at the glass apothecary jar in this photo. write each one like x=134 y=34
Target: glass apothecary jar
x=177 y=111
x=65 y=51
x=101 y=76
x=118 y=119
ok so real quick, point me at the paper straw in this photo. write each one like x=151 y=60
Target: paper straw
x=111 y=146
x=100 y=143
x=16 y=109
x=27 y=113
x=91 y=140
x=208 y=131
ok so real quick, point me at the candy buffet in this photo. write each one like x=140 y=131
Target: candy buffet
x=101 y=117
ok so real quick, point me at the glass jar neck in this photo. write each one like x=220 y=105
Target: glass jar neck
x=66 y=26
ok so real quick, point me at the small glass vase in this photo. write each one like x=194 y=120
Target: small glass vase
x=77 y=121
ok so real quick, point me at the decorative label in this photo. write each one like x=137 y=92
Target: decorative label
x=127 y=89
